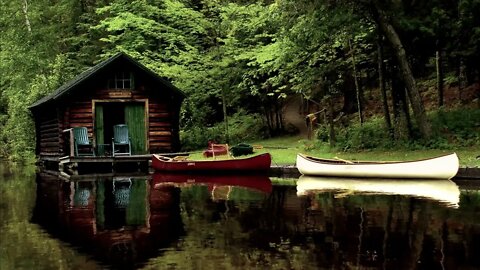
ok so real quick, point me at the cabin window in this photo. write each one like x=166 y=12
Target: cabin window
x=121 y=80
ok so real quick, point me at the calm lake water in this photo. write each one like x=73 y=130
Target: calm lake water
x=234 y=222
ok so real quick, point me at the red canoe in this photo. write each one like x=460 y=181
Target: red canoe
x=254 y=181
x=215 y=150
x=256 y=163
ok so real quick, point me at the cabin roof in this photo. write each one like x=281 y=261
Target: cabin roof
x=72 y=84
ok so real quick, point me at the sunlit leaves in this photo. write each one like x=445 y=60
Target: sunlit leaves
x=164 y=36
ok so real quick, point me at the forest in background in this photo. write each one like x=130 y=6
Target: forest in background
x=241 y=60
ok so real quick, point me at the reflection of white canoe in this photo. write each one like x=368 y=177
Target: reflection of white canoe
x=443 y=167
x=440 y=190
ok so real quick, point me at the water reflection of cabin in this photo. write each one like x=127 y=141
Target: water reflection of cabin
x=121 y=221
x=118 y=90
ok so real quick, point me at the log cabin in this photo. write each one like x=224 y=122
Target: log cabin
x=116 y=91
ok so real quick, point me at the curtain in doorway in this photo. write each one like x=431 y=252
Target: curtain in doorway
x=135 y=120
x=99 y=128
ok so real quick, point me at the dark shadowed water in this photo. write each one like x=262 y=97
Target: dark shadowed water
x=235 y=222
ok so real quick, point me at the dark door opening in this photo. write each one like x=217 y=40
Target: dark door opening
x=113 y=114
x=109 y=114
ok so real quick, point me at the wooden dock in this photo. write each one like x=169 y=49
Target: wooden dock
x=74 y=165
x=107 y=164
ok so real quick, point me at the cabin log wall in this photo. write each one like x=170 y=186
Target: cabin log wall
x=160 y=127
x=79 y=114
x=48 y=129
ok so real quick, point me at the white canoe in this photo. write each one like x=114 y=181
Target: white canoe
x=443 y=167
x=439 y=190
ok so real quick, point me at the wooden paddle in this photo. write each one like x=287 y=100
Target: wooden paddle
x=344 y=160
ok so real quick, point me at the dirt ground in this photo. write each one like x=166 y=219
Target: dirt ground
x=293 y=115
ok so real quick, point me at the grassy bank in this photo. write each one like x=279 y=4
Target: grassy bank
x=285 y=149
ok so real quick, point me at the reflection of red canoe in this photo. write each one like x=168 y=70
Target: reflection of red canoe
x=256 y=163
x=253 y=181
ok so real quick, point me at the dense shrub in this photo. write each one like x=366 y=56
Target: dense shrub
x=459 y=128
x=370 y=135
x=241 y=128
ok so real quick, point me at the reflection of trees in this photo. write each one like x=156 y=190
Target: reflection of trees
x=326 y=230
x=381 y=231
x=32 y=247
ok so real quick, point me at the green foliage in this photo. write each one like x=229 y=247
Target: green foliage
x=18 y=133
x=241 y=128
x=245 y=127
x=458 y=127
x=164 y=35
x=197 y=137
x=322 y=133
x=32 y=65
x=245 y=56
x=370 y=135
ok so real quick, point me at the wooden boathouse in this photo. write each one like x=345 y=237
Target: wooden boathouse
x=116 y=93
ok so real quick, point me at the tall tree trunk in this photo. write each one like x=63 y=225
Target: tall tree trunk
x=225 y=117
x=383 y=90
x=25 y=13
x=438 y=61
x=462 y=79
x=331 y=123
x=400 y=112
x=414 y=94
x=478 y=95
x=268 y=117
x=349 y=94
x=357 y=87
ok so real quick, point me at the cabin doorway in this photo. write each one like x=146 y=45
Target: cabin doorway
x=109 y=114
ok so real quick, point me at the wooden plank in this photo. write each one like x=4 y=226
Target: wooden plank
x=79 y=110
x=51 y=139
x=83 y=121
x=49 y=144
x=159 y=115
x=49 y=122
x=54 y=148
x=161 y=140
x=80 y=103
x=160 y=144
x=49 y=126
x=49 y=131
x=74 y=116
x=159 y=124
x=153 y=105
x=120 y=94
x=138 y=95
x=160 y=129
x=49 y=154
x=45 y=135
x=158 y=106
x=160 y=133
x=50 y=150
